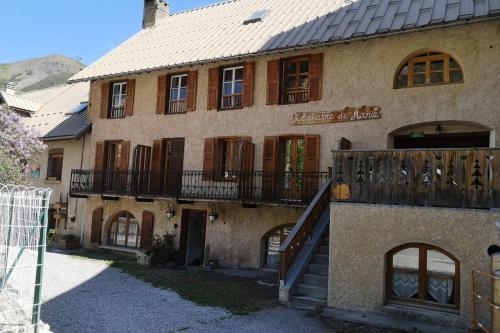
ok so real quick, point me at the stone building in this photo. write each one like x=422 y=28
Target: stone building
x=357 y=136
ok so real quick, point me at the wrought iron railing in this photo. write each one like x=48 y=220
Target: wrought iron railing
x=178 y=106
x=460 y=178
x=257 y=186
x=296 y=96
x=116 y=113
x=232 y=101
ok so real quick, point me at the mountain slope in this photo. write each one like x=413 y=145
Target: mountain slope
x=39 y=73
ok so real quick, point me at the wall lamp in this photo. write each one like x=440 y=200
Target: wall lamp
x=439 y=130
x=212 y=216
x=170 y=211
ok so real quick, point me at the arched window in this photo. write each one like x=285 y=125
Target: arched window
x=429 y=68
x=423 y=275
x=272 y=242
x=124 y=231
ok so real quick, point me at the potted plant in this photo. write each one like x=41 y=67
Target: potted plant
x=69 y=242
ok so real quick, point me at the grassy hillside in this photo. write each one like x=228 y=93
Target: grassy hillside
x=39 y=73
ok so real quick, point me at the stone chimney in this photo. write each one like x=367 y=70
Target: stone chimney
x=10 y=88
x=154 y=11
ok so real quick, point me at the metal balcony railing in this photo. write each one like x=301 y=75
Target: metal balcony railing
x=178 y=106
x=116 y=113
x=257 y=186
x=460 y=178
x=232 y=101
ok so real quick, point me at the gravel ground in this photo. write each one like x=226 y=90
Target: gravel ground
x=82 y=295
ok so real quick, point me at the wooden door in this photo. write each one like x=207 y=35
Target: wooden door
x=173 y=165
x=292 y=167
x=246 y=168
x=189 y=215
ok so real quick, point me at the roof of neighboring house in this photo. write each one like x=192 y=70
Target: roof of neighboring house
x=76 y=125
x=218 y=31
x=21 y=103
x=60 y=104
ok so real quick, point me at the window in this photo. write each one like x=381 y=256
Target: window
x=229 y=157
x=295 y=80
x=232 y=88
x=427 y=69
x=118 y=100
x=55 y=164
x=124 y=231
x=272 y=242
x=423 y=275
x=178 y=94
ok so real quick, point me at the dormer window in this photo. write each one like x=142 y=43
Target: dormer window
x=118 y=100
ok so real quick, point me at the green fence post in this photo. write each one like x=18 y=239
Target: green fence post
x=9 y=232
x=40 y=262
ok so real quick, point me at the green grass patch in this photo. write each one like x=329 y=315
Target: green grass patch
x=238 y=295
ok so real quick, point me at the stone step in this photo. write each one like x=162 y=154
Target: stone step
x=321 y=259
x=306 y=290
x=326 y=241
x=318 y=269
x=308 y=301
x=324 y=249
x=315 y=280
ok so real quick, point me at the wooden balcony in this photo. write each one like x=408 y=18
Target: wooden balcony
x=296 y=189
x=459 y=178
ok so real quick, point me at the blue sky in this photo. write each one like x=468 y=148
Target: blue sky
x=85 y=29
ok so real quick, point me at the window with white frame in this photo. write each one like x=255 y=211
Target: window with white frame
x=178 y=93
x=118 y=99
x=232 y=87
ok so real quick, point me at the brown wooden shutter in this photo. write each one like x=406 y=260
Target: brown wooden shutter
x=269 y=166
x=124 y=155
x=147 y=230
x=213 y=88
x=99 y=156
x=129 y=104
x=156 y=166
x=315 y=76
x=175 y=149
x=105 y=86
x=192 y=88
x=311 y=165
x=209 y=159
x=161 y=95
x=96 y=231
x=273 y=82
x=248 y=83
x=247 y=160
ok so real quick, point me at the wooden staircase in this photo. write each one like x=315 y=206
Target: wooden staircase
x=312 y=290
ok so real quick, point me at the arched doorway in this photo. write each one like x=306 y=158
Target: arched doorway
x=124 y=230
x=444 y=135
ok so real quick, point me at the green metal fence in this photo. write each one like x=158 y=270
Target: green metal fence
x=23 y=238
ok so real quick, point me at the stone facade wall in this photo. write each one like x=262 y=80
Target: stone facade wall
x=234 y=239
x=361 y=235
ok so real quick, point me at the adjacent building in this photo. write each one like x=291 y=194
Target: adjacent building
x=354 y=140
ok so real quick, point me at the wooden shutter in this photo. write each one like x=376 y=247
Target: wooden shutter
x=248 y=83
x=273 y=82
x=213 y=88
x=129 y=104
x=161 y=95
x=269 y=166
x=99 y=156
x=96 y=231
x=311 y=165
x=315 y=76
x=124 y=155
x=175 y=163
x=104 y=100
x=247 y=158
x=209 y=159
x=147 y=230
x=156 y=166
x=192 y=88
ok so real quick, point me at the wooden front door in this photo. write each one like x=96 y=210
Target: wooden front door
x=192 y=237
x=173 y=164
x=292 y=167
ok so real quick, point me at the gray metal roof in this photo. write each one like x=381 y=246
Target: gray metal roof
x=73 y=127
x=217 y=31
x=20 y=102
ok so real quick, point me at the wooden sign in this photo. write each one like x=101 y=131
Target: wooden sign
x=348 y=114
